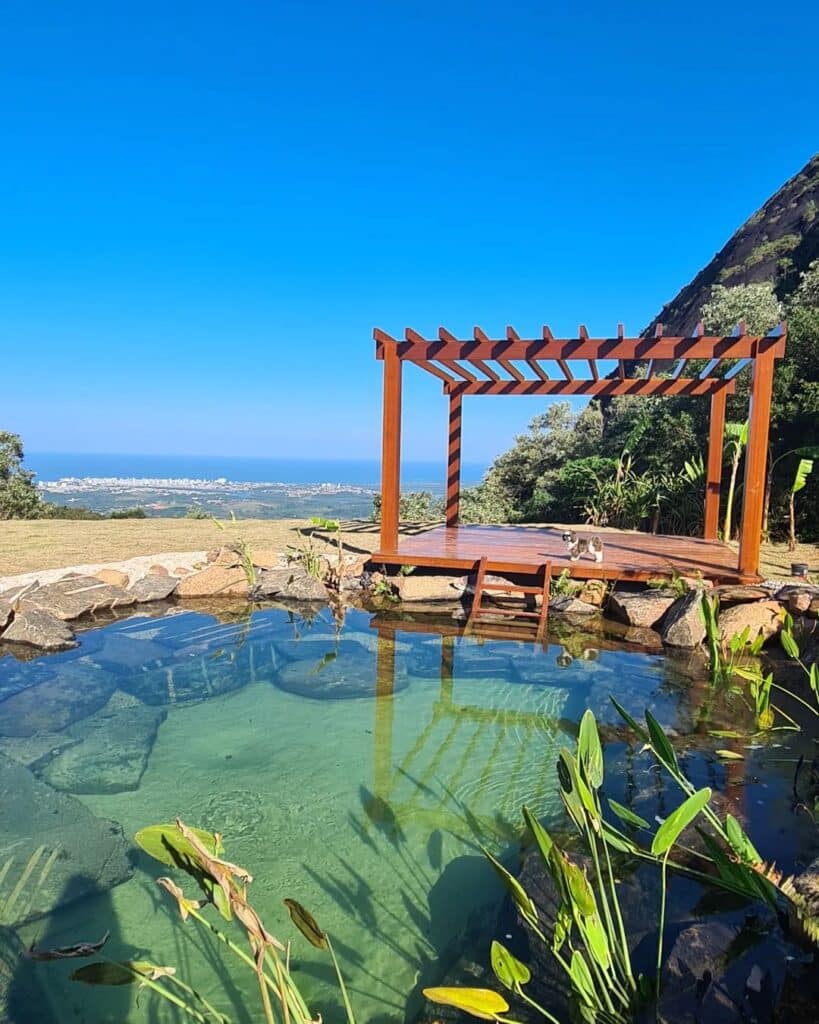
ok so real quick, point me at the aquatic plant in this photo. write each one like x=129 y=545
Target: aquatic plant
x=224 y=887
x=306 y=554
x=333 y=526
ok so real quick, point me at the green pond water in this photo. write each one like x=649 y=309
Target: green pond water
x=353 y=769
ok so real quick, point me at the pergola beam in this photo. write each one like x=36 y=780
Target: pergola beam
x=630 y=386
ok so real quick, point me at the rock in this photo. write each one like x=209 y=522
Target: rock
x=35 y=751
x=639 y=608
x=422 y=587
x=336 y=671
x=182 y=570
x=684 y=625
x=737 y=594
x=571 y=606
x=799 y=599
x=114 y=577
x=69 y=853
x=55 y=703
x=763 y=617
x=290 y=582
x=593 y=592
x=74 y=596
x=158 y=570
x=5 y=614
x=215 y=580
x=39 y=629
x=111 y=750
x=266 y=559
x=229 y=556
x=153 y=587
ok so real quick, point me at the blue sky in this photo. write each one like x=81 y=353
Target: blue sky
x=207 y=207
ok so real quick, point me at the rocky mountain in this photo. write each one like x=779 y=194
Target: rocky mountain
x=775 y=244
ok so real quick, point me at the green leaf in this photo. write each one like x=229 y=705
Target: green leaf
x=589 y=751
x=516 y=890
x=740 y=843
x=789 y=645
x=621 y=711
x=803 y=471
x=729 y=755
x=661 y=745
x=626 y=816
x=582 y=979
x=597 y=941
x=166 y=844
x=541 y=836
x=508 y=969
x=580 y=891
x=478 y=1002
x=669 y=832
x=306 y=924
x=109 y=973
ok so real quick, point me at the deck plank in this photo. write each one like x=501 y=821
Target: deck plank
x=522 y=549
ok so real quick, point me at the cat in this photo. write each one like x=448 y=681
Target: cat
x=576 y=546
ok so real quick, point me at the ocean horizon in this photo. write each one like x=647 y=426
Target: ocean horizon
x=415 y=474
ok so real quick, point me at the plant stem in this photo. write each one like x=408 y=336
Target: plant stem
x=662 y=930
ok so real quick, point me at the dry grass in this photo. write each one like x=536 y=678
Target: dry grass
x=51 y=544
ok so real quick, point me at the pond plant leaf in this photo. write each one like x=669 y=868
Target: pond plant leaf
x=581 y=978
x=306 y=924
x=626 y=816
x=77 y=950
x=589 y=750
x=544 y=841
x=661 y=745
x=621 y=711
x=508 y=969
x=669 y=832
x=129 y=972
x=522 y=900
x=478 y=1002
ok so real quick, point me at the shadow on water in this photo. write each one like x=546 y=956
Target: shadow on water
x=40 y=992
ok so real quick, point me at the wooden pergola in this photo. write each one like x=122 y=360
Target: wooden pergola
x=514 y=365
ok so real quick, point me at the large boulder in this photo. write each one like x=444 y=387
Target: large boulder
x=111 y=749
x=37 y=628
x=264 y=558
x=74 y=596
x=423 y=587
x=593 y=592
x=153 y=587
x=5 y=614
x=571 y=606
x=57 y=850
x=761 y=617
x=642 y=608
x=684 y=625
x=798 y=599
x=290 y=582
x=215 y=580
x=736 y=593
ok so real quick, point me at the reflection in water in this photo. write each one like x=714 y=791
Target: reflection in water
x=355 y=767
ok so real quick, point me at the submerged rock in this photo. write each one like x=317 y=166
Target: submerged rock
x=39 y=629
x=64 y=850
x=77 y=692
x=337 y=672
x=110 y=752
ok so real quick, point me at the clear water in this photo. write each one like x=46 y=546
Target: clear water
x=353 y=769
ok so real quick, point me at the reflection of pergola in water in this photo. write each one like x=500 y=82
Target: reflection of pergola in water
x=490 y=728
x=563 y=367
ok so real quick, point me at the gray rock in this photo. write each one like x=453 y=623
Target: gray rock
x=70 y=852
x=684 y=626
x=39 y=629
x=291 y=582
x=339 y=672
x=35 y=751
x=153 y=587
x=419 y=586
x=642 y=608
x=110 y=752
x=734 y=593
x=5 y=614
x=571 y=606
x=56 y=703
x=74 y=596
x=797 y=599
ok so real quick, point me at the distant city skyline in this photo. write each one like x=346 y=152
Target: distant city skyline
x=207 y=210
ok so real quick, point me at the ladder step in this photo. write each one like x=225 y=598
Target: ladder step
x=512 y=588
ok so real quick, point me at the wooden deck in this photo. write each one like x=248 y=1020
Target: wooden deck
x=522 y=549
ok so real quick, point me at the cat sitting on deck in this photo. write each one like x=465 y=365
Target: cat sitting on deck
x=576 y=546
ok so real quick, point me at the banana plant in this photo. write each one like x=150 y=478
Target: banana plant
x=803 y=471
x=737 y=434
x=810 y=451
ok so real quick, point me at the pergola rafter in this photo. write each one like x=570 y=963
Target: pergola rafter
x=482 y=365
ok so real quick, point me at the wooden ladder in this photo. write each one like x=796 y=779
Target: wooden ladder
x=478 y=611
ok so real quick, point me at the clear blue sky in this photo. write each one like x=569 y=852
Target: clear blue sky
x=207 y=207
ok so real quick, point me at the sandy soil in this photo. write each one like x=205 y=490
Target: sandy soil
x=51 y=544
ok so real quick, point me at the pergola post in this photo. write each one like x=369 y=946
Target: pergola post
x=391 y=450
x=756 y=458
x=713 y=477
x=453 y=461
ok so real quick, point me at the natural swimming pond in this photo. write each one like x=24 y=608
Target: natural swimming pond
x=354 y=767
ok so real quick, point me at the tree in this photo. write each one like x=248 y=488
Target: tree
x=19 y=498
x=755 y=304
x=803 y=471
x=737 y=434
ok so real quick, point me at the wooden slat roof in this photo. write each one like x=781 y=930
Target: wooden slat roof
x=512 y=365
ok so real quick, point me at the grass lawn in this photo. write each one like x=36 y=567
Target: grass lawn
x=27 y=546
